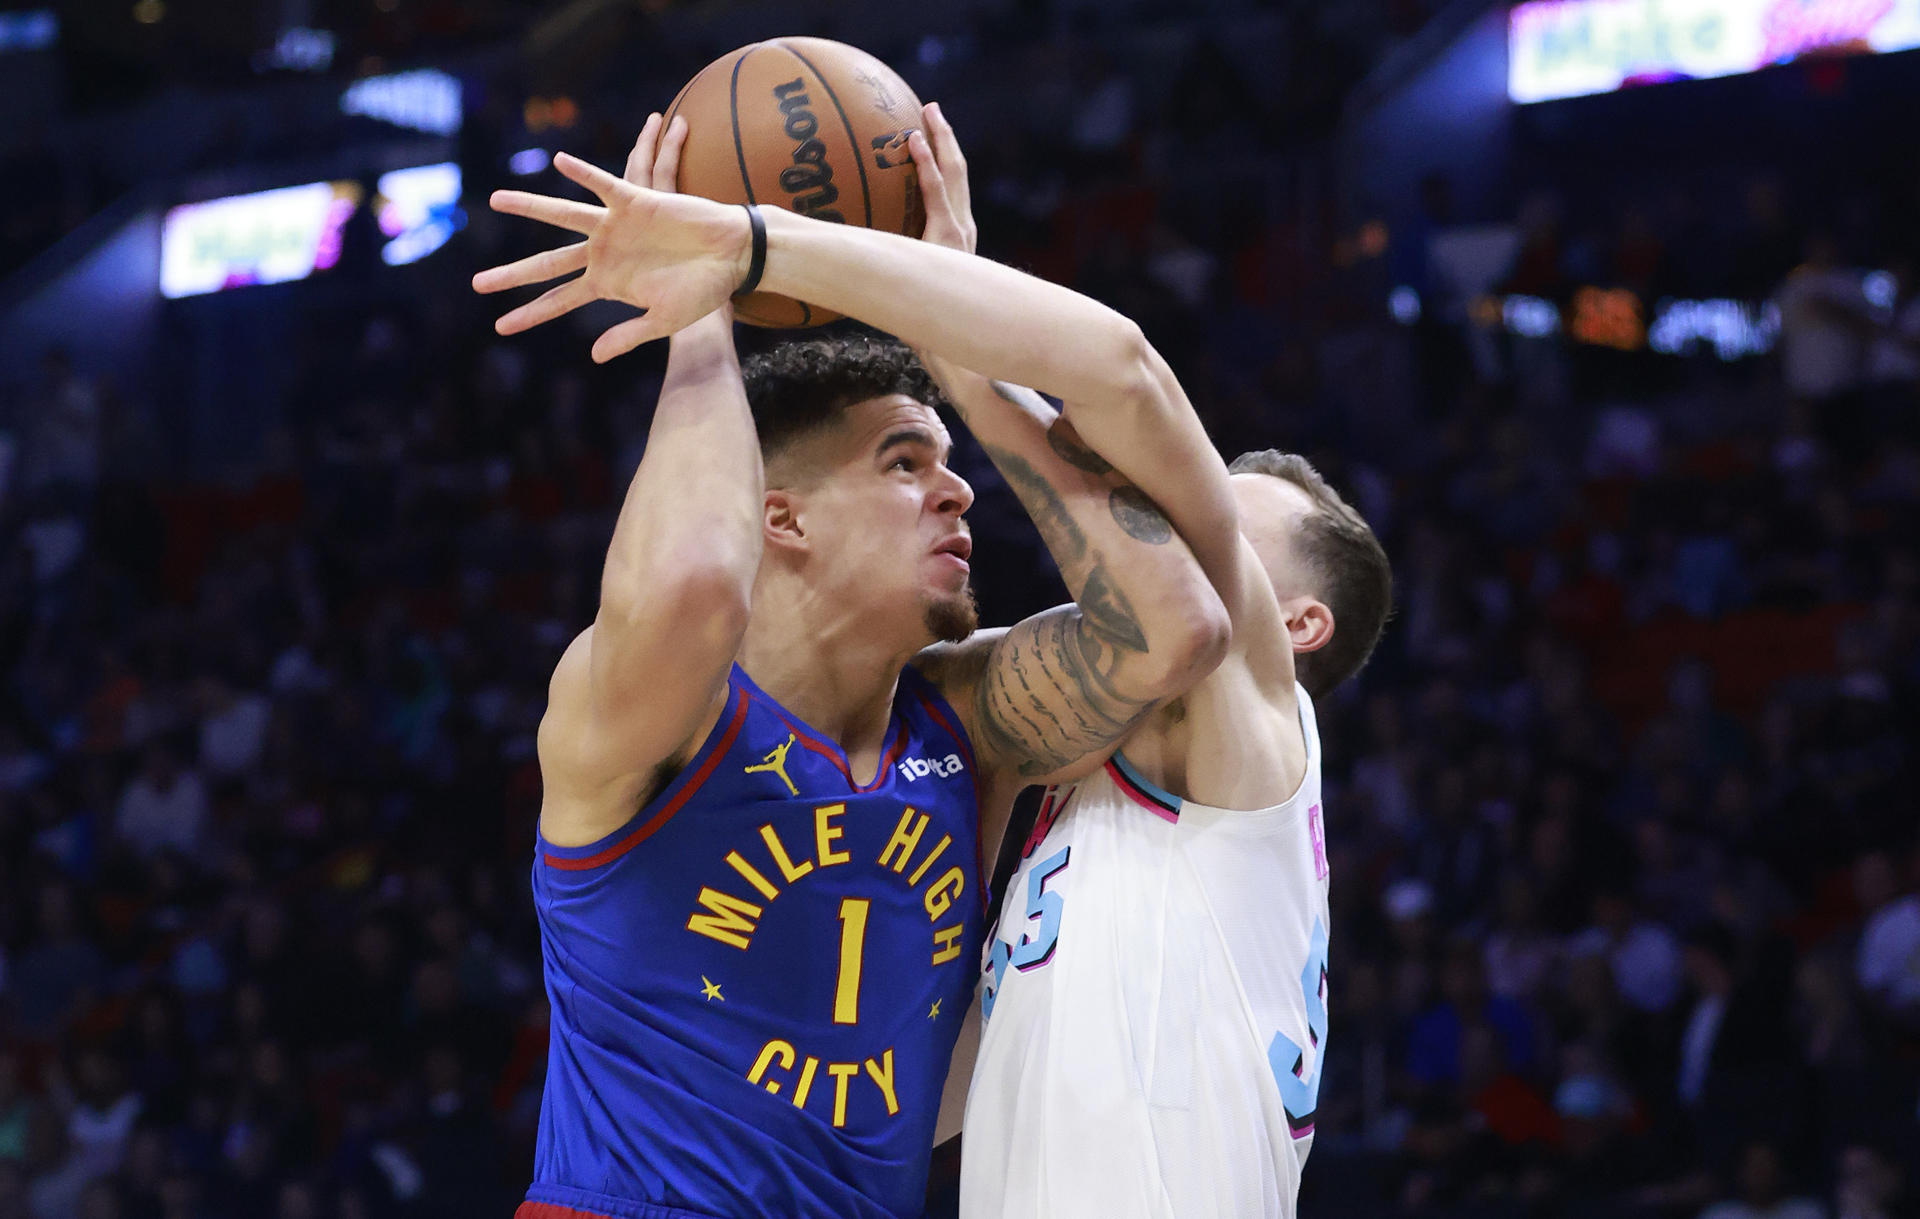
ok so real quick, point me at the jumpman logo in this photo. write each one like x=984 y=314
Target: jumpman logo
x=776 y=761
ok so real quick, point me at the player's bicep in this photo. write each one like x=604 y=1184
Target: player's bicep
x=1056 y=696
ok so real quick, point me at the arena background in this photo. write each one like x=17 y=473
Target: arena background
x=1623 y=834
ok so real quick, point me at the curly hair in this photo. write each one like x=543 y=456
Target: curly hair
x=1349 y=565
x=798 y=388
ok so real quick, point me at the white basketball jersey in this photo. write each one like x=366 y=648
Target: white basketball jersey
x=1156 y=1008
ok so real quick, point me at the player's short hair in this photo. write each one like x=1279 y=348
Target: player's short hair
x=796 y=389
x=1349 y=568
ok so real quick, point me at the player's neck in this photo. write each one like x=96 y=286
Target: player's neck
x=834 y=671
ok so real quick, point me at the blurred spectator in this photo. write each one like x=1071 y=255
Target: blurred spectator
x=63 y=447
x=1889 y=955
x=1763 y=1191
x=60 y=968
x=1826 y=323
x=1618 y=815
x=233 y=728
x=1871 y=1185
x=164 y=806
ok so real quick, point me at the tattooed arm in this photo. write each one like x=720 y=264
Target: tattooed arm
x=1051 y=697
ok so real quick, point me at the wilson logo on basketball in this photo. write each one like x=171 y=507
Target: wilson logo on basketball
x=809 y=180
x=890 y=150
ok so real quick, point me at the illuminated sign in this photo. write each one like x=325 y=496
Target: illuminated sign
x=1733 y=329
x=1569 y=48
x=425 y=99
x=1615 y=317
x=266 y=238
x=418 y=209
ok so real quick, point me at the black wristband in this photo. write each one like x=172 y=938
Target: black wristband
x=758 y=264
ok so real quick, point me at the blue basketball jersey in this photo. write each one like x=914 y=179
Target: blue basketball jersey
x=757 y=982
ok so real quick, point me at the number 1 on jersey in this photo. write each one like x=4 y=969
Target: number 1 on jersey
x=853 y=948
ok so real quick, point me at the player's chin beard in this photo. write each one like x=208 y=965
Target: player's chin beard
x=951 y=619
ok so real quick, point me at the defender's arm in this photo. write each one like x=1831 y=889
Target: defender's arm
x=1053 y=695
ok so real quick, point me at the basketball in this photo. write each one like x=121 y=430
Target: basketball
x=808 y=124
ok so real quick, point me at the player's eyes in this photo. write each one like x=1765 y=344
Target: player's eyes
x=901 y=463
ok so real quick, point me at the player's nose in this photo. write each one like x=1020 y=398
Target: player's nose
x=952 y=493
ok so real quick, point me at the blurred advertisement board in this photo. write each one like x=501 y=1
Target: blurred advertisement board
x=266 y=238
x=418 y=209
x=1570 y=48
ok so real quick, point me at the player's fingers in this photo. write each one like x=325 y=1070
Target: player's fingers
x=640 y=160
x=533 y=269
x=552 y=303
x=933 y=182
x=620 y=339
x=666 y=170
x=561 y=213
x=946 y=145
x=934 y=192
x=589 y=175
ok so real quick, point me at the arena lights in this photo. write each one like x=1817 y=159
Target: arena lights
x=1571 y=48
x=425 y=99
x=298 y=49
x=529 y=161
x=1530 y=317
x=1404 y=303
x=1881 y=289
x=1734 y=329
x=419 y=209
x=1613 y=317
x=32 y=30
x=266 y=238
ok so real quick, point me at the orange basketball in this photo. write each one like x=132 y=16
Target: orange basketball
x=814 y=126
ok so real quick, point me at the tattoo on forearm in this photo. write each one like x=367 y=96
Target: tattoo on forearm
x=1107 y=610
x=1139 y=516
x=1051 y=516
x=1050 y=698
x=1066 y=442
x=1053 y=691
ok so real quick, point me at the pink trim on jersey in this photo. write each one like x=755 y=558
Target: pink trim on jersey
x=547 y=1210
x=1141 y=798
x=1318 y=832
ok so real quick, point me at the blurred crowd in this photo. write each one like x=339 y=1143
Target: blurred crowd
x=1626 y=888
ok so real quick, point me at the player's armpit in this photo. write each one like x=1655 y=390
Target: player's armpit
x=602 y=749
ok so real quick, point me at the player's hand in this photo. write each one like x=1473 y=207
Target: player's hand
x=943 y=182
x=676 y=256
x=654 y=163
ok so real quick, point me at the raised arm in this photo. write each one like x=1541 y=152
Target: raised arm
x=1051 y=696
x=1144 y=430
x=678 y=255
x=635 y=692
x=1054 y=694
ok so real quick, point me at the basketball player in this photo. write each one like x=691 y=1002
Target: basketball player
x=757 y=876
x=1154 y=995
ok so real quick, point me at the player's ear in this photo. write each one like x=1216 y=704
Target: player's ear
x=1309 y=623
x=780 y=519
